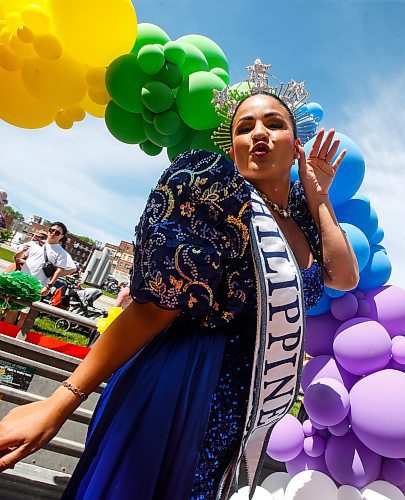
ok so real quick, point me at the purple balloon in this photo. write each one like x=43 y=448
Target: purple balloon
x=317 y=426
x=326 y=367
x=393 y=471
x=344 y=308
x=387 y=306
x=314 y=446
x=286 y=439
x=363 y=309
x=320 y=333
x=398 y=349
x=362 y=346
x=308 y=428
x=393 y=365
x=305 y=462
x=341 y=428
x=350 y=462
x=378 y=410
x=327 y=401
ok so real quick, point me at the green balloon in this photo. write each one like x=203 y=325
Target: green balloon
x=167 y=123
x=212 y=51
x=124 y=80
x=151 y=59
x=150 y=148
x=194 y=61
x=174 y=53
x=221 y=73
x=171 y=75
x=165 y=141
x=202 y=140
x=149 y=33
x=157 y=97
x=194 y=98
x=123 y=125
x=147 y=115
x=181 y=147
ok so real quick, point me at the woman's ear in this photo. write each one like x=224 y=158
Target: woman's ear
x=297 y=146
x=232 y=154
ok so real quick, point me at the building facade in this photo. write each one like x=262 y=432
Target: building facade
x=121 y=258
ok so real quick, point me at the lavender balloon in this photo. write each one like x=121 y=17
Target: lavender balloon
x=344 y=308
x=320 y=334
x=387 y=306
x=308 y=428
x=378 y=410
x=327 y=401
x=362 y=346
x=286 y=439
x=326 y=366
x=314 y=446
x=350 y=462
x=305 y=462
x=398 y=351
x=341 y=428
x=393 y=471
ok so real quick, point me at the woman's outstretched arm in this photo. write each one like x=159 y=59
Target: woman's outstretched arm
x=27 y=428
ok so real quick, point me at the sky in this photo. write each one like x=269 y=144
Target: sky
x=350 y=52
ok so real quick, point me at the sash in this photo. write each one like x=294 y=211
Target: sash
x=279 y=343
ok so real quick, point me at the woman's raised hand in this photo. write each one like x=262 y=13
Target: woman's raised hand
x=317 y=171
x=25 y=429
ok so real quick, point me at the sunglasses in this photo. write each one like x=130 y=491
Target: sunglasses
x=56 y=232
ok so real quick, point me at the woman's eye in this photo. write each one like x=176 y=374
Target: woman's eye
x=275 y=125
x=244 y=130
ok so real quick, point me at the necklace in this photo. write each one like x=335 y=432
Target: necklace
x=285 y=213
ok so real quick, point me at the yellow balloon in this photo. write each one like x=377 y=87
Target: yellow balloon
x=18 y=5
x=36 y=18
x=99 y=96
x=8 y=60
x=76 y=113
x=59 y=83
x=96 y=78
x=95 y=32
x=62 y=120
x=48 y=47
x=92 y=108
x=5 y=35
x=13 y=20
x=25 y=34
x=20 y=48
x=18 y=107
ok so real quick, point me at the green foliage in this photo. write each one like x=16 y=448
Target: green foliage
x=85 y=239
x=6 y=254
x=15 y=213
x=5 y=235
x=296 y=408
x=46 y=326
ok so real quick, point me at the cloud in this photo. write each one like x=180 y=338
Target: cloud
x=376 y=122
x=84 y=177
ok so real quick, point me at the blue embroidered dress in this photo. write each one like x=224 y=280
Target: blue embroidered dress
x=171 y=419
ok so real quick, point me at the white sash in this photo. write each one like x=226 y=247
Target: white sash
x=279 y=341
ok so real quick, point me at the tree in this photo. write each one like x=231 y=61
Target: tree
x=85 y=239
x=14 y=213
x=5 y=235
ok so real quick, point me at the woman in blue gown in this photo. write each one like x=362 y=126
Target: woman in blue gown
x=170 y=423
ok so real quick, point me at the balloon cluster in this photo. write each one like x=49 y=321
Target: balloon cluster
x=53 y=58
x=162 y=91
x=314 y=485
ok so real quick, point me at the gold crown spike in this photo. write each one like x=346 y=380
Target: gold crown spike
x=293 y=94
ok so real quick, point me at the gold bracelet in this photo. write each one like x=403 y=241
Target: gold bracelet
x=77 y=392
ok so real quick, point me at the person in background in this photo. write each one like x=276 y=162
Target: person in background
x=3 y=202
x=123 y=298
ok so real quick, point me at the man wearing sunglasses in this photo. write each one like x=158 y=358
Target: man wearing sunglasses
x=50 y=261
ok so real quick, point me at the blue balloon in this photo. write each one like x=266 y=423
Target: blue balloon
x=322 y=307
x=378 y=237
x=351 y=172
x=334 y=294
x=377 y=271
x=359 y=243
x=358 y=212
x=315 y=110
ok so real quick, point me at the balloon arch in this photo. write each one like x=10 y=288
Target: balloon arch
x=58 y=61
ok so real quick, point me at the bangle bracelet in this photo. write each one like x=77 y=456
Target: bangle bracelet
x=77 y=392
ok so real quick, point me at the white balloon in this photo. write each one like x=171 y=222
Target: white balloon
x=381 y=490
x=260 y=494
x=276 y=484
x=311 y=485
x=347 y=492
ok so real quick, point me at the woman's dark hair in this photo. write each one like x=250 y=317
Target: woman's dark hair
x=64 y=231
x=277 y=98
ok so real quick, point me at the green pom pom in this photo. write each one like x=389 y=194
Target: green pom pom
x=20 y=286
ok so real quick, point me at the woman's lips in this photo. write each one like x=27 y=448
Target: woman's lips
x=260 y=149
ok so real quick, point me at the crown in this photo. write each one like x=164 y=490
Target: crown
x=293 y=94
